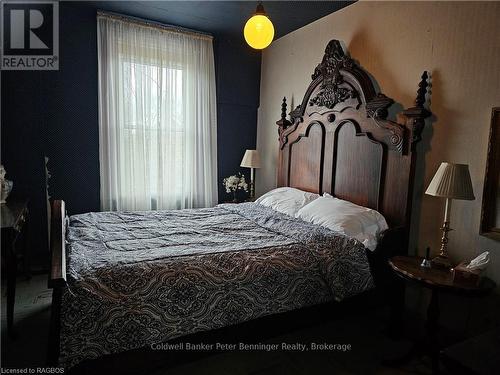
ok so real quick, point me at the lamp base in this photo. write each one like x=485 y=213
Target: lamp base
x=441 y=262
x=251 y=195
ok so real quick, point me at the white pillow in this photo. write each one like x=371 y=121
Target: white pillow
x=286 y=200
x=361 y=223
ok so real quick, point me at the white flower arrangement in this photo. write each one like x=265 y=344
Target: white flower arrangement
x=234 y=183
x=5 y=185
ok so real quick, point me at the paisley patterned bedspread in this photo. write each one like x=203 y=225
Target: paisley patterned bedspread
x=138 y=278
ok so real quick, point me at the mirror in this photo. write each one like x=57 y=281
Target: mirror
x=490 y=214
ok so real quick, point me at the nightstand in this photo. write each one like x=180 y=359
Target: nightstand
x=436 y=280
x=15 y=237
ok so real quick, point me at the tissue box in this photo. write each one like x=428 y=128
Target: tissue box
x=465 y=276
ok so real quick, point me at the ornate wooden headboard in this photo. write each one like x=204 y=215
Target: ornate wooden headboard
x=339 y=140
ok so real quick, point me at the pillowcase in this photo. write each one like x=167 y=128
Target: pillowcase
x=361 y=223
x=286 y=200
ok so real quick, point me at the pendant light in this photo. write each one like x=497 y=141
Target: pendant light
x=259 y=30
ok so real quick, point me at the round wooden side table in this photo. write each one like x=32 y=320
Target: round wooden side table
x=437 y=280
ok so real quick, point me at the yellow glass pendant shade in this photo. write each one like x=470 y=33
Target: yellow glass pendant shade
x=259 y=30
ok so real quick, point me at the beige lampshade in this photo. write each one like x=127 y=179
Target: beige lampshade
x=451 y=181
x=251 y=159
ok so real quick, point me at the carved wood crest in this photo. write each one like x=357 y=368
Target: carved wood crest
x=331 y=92
x=333 y=60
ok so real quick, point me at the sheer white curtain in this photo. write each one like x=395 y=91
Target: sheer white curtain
x=157 y=117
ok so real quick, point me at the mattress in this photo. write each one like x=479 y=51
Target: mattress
x=140 y=278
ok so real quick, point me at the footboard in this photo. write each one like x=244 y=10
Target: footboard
x=57 y=276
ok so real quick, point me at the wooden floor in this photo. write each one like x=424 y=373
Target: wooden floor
x=363 y=331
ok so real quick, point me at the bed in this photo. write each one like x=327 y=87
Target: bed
x=127 y=280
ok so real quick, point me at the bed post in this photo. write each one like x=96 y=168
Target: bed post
x=415 y=121
x=57 y=277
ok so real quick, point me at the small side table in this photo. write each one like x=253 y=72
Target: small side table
x=15 y=244
x=437 y=280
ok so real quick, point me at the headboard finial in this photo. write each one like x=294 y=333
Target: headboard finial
x=283 y=109
x=282 y=123
x=422 y=90
x=417 y=114
x=334 y=59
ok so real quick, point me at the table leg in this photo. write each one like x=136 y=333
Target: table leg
x=26 y=248
x=432 y=330
x=11 y=288
x=397 y=310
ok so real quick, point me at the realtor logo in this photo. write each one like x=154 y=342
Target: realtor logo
x=30 y=35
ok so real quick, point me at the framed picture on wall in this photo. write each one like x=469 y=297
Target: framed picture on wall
x=490 y=213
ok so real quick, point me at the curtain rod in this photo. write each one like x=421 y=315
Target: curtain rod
x=154 y=25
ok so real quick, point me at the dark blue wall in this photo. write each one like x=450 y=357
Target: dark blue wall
x=238 y=91
x=55 y=114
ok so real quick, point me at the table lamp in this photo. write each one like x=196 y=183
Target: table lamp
x=451 y=181
x=251 y=160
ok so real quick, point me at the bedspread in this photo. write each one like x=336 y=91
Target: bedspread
x=139 y=278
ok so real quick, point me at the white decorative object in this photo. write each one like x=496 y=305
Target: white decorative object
x=251 y=160
x=480 y=262
x=234 y=183
x=6 y=185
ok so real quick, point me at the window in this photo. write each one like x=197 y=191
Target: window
x=157 y=117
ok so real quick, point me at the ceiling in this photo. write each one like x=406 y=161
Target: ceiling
x=227 y=17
